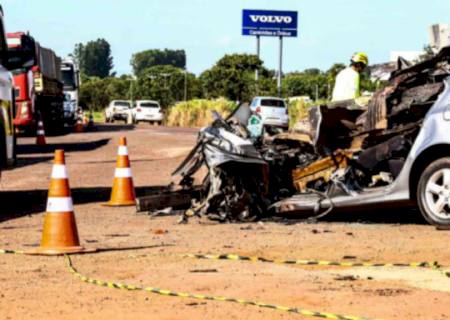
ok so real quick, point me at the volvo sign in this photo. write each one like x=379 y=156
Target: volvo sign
x=269 y=23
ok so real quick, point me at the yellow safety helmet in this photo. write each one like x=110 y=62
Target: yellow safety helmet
x=360 y=57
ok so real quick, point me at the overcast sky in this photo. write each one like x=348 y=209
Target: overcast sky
x=329 y=30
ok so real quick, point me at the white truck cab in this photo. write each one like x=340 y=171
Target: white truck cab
x=71 y=80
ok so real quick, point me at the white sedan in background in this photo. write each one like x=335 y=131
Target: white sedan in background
x=148 y=111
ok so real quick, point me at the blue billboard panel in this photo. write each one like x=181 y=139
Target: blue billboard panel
x=269 y=23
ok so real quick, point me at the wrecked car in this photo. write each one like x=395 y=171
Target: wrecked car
x=393 y=152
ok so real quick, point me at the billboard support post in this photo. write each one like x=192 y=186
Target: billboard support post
x=280 y=66
x=258 y=46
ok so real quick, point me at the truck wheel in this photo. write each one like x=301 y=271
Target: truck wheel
x=433 y=192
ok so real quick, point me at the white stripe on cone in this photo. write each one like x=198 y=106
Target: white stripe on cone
x=41 y=132
x=59 y=171
x=123 y=173
x=123 y=151
x=63 y=204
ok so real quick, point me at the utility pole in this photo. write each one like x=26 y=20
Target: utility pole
x=185 y=86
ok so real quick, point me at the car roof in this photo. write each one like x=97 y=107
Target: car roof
x=151 y=101
x=273 y=98
x=121 y=101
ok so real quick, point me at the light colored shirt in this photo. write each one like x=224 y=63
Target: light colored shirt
x=347 y=85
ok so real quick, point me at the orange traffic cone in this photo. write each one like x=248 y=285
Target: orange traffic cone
x=79 y=126
x=122 y=193
x=40 y=134
x=60 y=234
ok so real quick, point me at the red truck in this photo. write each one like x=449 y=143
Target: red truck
x=37 y=84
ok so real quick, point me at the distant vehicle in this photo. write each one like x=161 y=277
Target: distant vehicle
x=273 y=111
x=38 y=86
x=118 y=110
x=148 y=111
x=71 y=83
x=8 y=61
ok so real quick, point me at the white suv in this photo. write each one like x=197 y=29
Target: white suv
x=119 y=110
x=273 y=111
x=149 y=111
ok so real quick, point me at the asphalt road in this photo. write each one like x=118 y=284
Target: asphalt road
x=140 y=250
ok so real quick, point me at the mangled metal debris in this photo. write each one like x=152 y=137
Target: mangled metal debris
x=339 y=157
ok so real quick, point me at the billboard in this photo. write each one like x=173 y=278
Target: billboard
x=269 y=23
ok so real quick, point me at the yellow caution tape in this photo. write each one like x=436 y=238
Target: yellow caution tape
x=234 y=257
x=4 y=251
x=164 y=292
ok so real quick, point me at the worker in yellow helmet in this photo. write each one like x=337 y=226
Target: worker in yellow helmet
x=348 y=81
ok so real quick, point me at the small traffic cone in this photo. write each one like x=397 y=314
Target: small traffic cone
x=122 y=193
x=79 y=126
x=60 y=234
x=40 y=134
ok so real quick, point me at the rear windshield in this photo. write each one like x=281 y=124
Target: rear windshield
x=122 y=104
x=273 y=103
x=149 y=105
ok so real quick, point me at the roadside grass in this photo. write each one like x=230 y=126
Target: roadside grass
x=99 y=116
x=197 y=113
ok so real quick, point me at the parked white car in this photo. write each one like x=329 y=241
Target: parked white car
x=273 y=111
x=119 y=110
x=148 y=111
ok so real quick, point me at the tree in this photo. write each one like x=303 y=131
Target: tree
x=93 y=93
x=94 y=58
x=306 y=84
x=232 y=77
x=166 y=84
x=150 y=58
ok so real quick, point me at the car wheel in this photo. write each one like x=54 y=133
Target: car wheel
x=433 y=192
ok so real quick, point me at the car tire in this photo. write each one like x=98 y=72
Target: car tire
x=433 y=193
